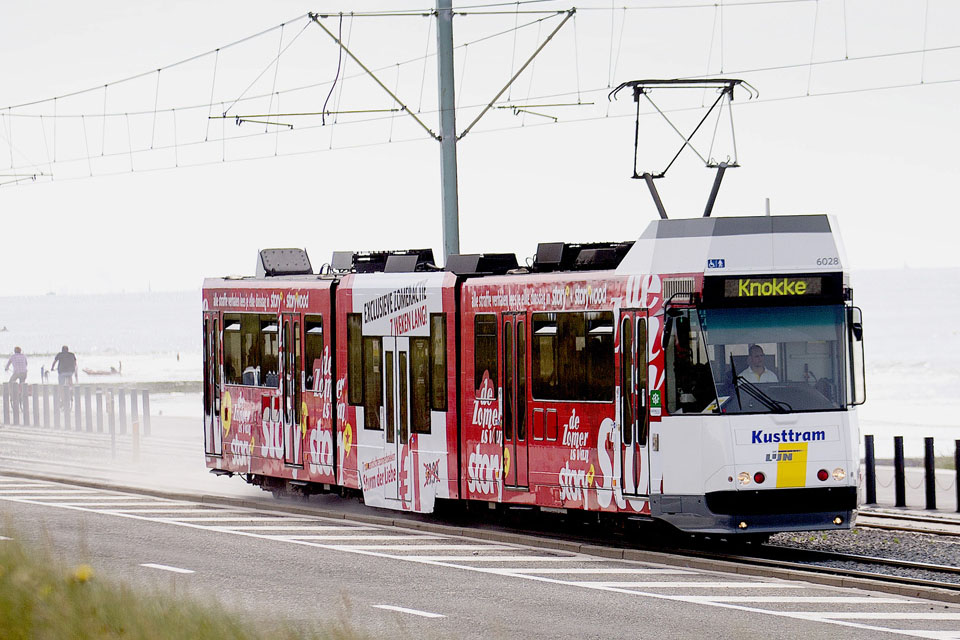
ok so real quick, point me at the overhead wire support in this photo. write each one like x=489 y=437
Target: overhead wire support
x=316 y=18
x=569 y=14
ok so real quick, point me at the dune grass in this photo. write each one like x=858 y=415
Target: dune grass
x=41 y=598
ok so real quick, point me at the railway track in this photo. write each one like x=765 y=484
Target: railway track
x=889 y=520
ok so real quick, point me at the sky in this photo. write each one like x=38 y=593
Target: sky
x=144 y=192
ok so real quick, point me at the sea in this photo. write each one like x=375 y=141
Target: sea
x=911 y=331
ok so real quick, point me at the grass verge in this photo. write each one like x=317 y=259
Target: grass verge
x=41 y=598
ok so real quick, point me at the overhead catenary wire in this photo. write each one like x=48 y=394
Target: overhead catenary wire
x=157 y=113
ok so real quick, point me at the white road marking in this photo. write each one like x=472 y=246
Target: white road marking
x=803 y=599
x=425 y=614
x=682 y=585
x=357 y=538
x=64 y=503
x=298 y=527
x=598 y=570
x=97 y=497
x=508 y=559
x=41 y=494
x=241 y=518
x=5 y=538
x=164 y=567
x=881 y=615
x=415 y=547
x=168 y=510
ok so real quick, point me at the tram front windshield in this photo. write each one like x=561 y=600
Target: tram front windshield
x=781 y=359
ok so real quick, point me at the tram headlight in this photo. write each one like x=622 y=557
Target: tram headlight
x=744 y=478
x=839 y=474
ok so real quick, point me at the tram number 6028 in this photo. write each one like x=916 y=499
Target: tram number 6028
x=824 y=262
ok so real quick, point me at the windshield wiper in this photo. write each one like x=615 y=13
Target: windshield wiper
x=758 y=394
x=736 y=384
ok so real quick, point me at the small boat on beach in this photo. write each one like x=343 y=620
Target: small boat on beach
x=112 y=371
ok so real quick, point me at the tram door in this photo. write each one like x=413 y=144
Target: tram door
x=634 y=422
x=212 y=431
x=513 y=345
x=396 y=404
x=294 y=426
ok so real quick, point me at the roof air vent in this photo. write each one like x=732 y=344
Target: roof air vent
x=283 y=262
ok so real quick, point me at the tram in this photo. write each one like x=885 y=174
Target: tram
x=705 y=374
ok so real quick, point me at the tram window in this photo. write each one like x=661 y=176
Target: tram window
x=269 y=362
x=355 y=365
x=207 y=366
x=521 y=381
x=438 y=361
x=216 y=357
x=372 y=385
x=250 y=349
x=484 y=350
x=314 y=356
x=690 y=387
x=420 y=381
x=573 y=356
x=599 y=380
x=232 y=348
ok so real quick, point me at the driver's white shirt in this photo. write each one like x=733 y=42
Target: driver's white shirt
x=766 y=376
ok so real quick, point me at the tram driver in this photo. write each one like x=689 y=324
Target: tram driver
x=756 y=370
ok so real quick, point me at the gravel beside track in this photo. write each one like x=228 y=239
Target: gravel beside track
x=896 y=545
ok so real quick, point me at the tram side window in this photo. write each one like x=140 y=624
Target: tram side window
x=690 y=387
x=372 y=382
x=313 y=326
x=232 y=348
x=573 y=356
x=354 y=360
x=485 y=350
x=251 y=345
x=438 y=361
x=269 y=352
x=420 y=384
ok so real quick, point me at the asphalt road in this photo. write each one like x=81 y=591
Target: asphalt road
x=392 y=582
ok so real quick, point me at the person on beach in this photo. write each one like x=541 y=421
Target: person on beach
x=65 y=364
x=19 y=363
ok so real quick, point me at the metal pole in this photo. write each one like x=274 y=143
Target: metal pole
x=135 y=425
x=99 y=410
x=900 y=483
x=88 y=409
x=146 y=413
x=57 y=406
x=112 y=422
x=78 y=412
x=871 y=470
x=46 y=405
x=929 y=473
x=15 y=401
x=448 y=129
x=121 y=404
x=956 y=469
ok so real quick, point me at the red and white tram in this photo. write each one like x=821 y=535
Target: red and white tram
x=705 y=375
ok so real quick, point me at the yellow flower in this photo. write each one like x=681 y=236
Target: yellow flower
x=82 y=573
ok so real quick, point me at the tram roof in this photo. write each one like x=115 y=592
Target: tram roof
x=737 y=245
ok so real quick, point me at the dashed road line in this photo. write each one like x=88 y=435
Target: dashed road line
x=424 y=614
x=164 y=567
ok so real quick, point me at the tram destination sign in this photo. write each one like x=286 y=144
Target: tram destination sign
x=747 y=287
x=776 y=289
